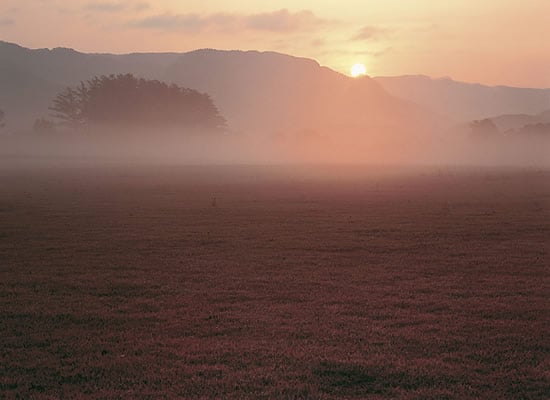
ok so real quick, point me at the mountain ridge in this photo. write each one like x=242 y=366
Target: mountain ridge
x=467 y=101
x=447 y=78
x=302 y=94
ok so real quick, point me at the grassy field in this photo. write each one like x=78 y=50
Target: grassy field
x=274 y=282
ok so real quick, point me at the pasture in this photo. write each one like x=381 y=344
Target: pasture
x=123 y=281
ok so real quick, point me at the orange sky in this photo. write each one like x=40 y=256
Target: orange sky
x=486 y=41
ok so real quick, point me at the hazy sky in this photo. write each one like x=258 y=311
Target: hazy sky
x=487 y=41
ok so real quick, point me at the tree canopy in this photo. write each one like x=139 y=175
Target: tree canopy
x=536 y=129
x=2 y=124
x=484 y=128
x=124 y=100
x=43 y=125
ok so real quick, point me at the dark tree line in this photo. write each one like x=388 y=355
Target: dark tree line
x=536 y=129
x=43 y=125
x=487 y=128
x=484 y=128
x=124 y=100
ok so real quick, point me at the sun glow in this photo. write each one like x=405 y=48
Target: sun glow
x=358 y=70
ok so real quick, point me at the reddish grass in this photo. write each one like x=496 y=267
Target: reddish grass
x=133 y=283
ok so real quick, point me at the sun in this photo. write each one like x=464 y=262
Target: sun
x=358 y=70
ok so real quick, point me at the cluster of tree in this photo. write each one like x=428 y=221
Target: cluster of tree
x=43 y=125
x=124 y=100
x=2 y=115
x=488 y=128
x=536 y=129
x=484 y=128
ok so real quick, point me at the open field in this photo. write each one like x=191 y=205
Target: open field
x=274 y=282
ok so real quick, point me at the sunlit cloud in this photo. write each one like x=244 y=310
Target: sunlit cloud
x=367 y=53
x=114 y=7
x=7 y=21
x=370 y=32
x=185 y=22
x=318 y=43
x=284 y=21
x=281 y=21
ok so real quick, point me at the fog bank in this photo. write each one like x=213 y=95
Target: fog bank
x=383 y=146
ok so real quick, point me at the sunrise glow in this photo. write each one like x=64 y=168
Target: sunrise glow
x=431 y=37
x=358 y=70
x=259 y=199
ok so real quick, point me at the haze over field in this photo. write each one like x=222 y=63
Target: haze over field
x=278 y=108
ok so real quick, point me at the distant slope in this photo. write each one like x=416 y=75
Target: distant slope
x=257 y=92
x=68 y=67
x=466 y=101
x=29 y=79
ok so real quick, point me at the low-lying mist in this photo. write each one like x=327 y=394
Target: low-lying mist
x=345 y=146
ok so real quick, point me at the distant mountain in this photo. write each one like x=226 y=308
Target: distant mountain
x=67 y=66
x=466 y=101
x=29 y=79
x=258 y=92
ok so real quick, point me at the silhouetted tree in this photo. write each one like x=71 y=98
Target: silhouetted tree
x=484 y=128
x=535 y=129
x=2 y=124
x=69 y=105
x=43 y=125
x=124 y=100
